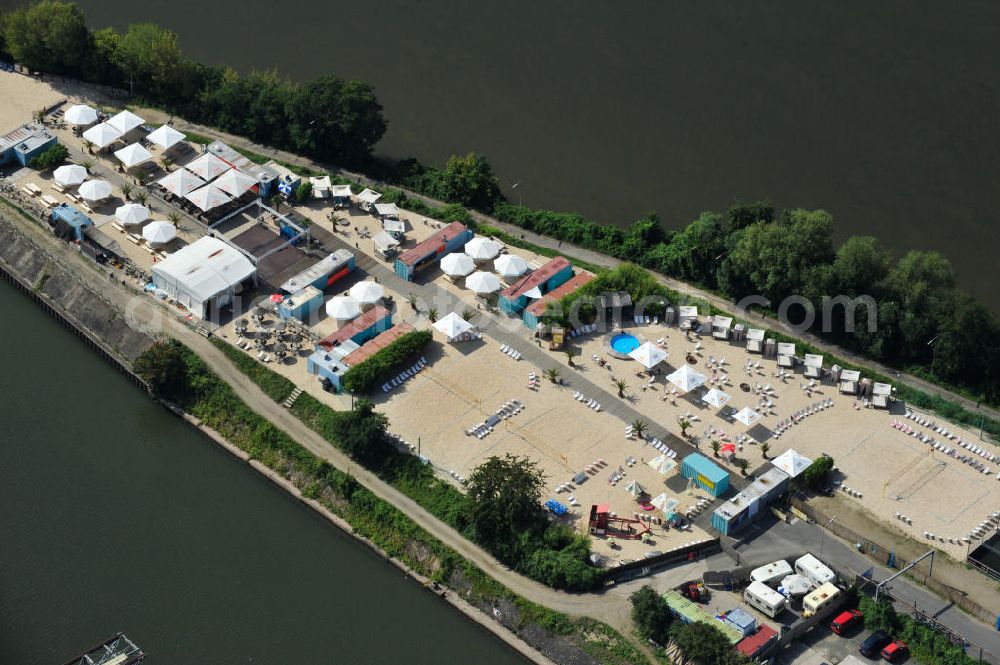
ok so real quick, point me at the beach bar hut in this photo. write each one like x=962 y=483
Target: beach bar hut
x=549 y=277
x=301 y=304
x=385 y=245
x=386 y=211
x=367 y=198
x=376 y=320
x=427 y=253
x=814 y=365
x=849 y=381
x=687 y=316
x=881 y=395
x=68 y=222
x=705 y=474
x=341 y=195
x=755 y=340
x=754 y=499
x=721 y=326
x=323 y=273
x=533 y=312
x=786 y=354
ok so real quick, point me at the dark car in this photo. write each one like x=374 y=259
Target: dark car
x=874 y=643
x=893 y=650
x=844 y=621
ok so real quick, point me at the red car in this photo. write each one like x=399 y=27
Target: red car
x=845 y=620
x=893 y=650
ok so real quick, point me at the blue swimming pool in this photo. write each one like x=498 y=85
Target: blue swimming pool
x=624 y=343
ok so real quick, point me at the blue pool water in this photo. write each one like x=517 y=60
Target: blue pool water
x=624 y=343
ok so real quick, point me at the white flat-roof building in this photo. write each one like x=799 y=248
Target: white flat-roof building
x=205 y=274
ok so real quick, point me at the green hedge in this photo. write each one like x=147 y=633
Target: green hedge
x=926 y=644
x=385 y=363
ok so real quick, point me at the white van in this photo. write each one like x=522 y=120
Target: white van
x=814 y=570
x=819 y=598
x=772 y=573
x=764 y=599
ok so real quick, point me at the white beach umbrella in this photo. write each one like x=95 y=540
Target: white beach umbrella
x=635 y=489
x=165 y=136
x=510 y=265
x=482 y=249
x=660 y=501
x=102 y=135
x=482 y=282
x=208 y=197
x=686 y=378
x=80 y=114
x=457 y=265
x=95 y=190
x=452 y=325
x=716 y=398
x=159 y=233
x=747 y=416
x=342 y=308
x=181 y=182
x=69 y=175
x=208 y=166
x=133 y=154
x=234 y=182
x=662 y=464
x=125 y=121
x=132 y=213
x=367 y=292
x=792 y=462
x=648 y=355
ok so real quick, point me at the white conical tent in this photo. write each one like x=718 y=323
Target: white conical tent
x=95 y=190
x=159 y=233
x=662 y=464
x=791 y=462
x=80 y=114
x=181 y=182
x=510 y=266
x=747 y=416
x=457 y=265
x=716 y=398
x=165 y=136
x=125 y=121
x=208 y=197
x=367 y=293
x=483 y=282
x=482 y=249
x=660 y=501
x=132 y=213
x=648 y=355
x=452 y=326
x=70 y=174
x=207 y=167
x=635 y=489
x=343 y=308
x=686 y=378
x=132 y=155
x=102 y=135
x=234 y=182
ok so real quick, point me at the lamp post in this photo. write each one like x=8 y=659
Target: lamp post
x=822 y=543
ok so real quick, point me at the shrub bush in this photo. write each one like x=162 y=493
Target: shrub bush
x=383 y=364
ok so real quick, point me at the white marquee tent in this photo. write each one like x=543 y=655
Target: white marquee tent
x=206 y=272
x=125 y=121
x=482 y=249
x=208 y=166
x=648 y=355
x=716 y=398
x=70 y=174
x=132 y=155
x=234 y=182
x=208 y=197
x=80 y=114
x=159 y=233
x=452 y=326
x=342 y=308
x=181 y=182
x=747 y=416
x=482 y=282
x=95 y=190
x=457 y=265
x=791 y=462
x=132 y=213
x=367 y=293
x=510 y=266
x=102 y=135
x=165 y=136
x=686 y=379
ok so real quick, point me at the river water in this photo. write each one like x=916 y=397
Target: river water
x=887 y=114
x=115 y=515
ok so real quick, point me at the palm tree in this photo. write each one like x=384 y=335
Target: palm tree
x=764 y=447
x=89 y=146
x=87 y=164
x=622 y=386
x=716 y=447
x=432 y=314
x=412 y=299
x=742 y=464
x=276 y=202
x=552 y=374
x=127 y=190
x=142 y=196
x=639 y=427
x=467 y=314
x=165 y=162
x=174 y=217
x=570 y=354
x=39 y=116
x=683 y=422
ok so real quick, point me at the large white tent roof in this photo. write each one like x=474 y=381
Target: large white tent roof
x=70 y=174
x=165 y=136
x=387 y=209
x=125 y=121
x=791 y=462
x=102 y=135
x=747 y=416
x=205 y=268
x=181 y=182
x=80 y=114
x=510 y=265
x=208 y=197
x=716 y=398
x=648 y=355
x=133 y=154
x=482 y=249
x=385 y=242
x=369 y=196
x=342 y=308
x=159 y=233
x=457 y=264
x=95 y=190
x=132 y=213
x=686 y=378
x=234 y=182
x=367 y=292
x=208 y=166
x=452 y=325
x=482 y=282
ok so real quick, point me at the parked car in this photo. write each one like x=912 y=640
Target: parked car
x=893 y=650
x=874 y=643
x=844 y=621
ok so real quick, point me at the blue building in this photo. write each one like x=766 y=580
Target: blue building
x=24 y=144
x=301 y=304
x=535 y=284
x=533 y=312
x=68 y=222
x=323 y=273
x=755 y=498
x=428 y=253
x=705 y=474
x=376 y=320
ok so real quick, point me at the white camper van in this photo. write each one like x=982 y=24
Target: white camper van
x=772 y=573
x=813 y=569
x=764 y=599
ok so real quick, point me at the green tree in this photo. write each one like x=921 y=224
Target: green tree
x=49 y=36
x=742 y=215
x=817 y=473
x=684 y=423
x=622 y=386
x=162 y=366
x=432 y=314
x=50 y=159
x=104 y=58
x=412 y=299
x=361 y=432
x=467 y=314
x=335 y=120
x=468 y=180
x=742 y=465
x=765 y=447
x=150 y=58
x=651 y=615
x=303 y=192
x=716 y=447
x=552 y=374
x=126 y=189
x=570 y=353
x=504 y=501
x=640 y=427
x=703 y=643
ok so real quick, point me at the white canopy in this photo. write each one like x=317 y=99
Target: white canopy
x=786 y=349
x=95 y=190
x=686 y=378
x=635 y=489
x=207 y=197
x=482 y=282
x=70 y=174
x=687 y=312
x=234 y=182
x=369 y=196
x=384 y=241
x=510 y=265
x=747 y=416
x=132 y=213
x=341 y=191
x=342 y=308
x=367 y=292
x=663 y=502
x=716 y=398
x=791 y=462
x=387 y=210
x=181 y=182
x=159 y=233
x=133 y=154
x=125 y=121
x=722 y=322
x=850 y=375
x=80 y=114
x=755 y=335
x=452 y=325
x=102 y=135
x=208 y=270
x=662 y=464
x=165 y=136
x=648 y=355
x=457 y=265
x=208 y=166
x=482 y=249
x=814 y=360
x=883 y=389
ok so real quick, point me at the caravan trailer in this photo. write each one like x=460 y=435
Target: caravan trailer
x=819 y=598
x=814 y=570
x=772 y=573
x=764 y=599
